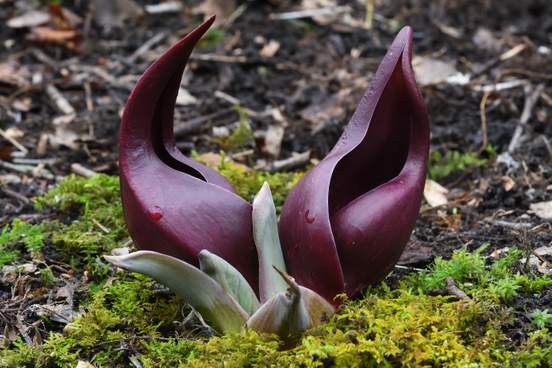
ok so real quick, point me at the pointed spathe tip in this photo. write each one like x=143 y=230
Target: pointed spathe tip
x=404 y=37
x=210 y=19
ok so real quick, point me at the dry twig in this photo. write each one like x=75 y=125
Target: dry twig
x=82 y=171
x=310 y=13
x=146 y=46
x=530 y=101
x=13 y=141
x=59 y=100
x=483 y=117
x=453 y=289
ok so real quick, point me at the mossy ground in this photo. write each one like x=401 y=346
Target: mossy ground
x=127 y=316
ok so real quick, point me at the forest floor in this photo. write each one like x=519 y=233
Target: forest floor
x=484 y=68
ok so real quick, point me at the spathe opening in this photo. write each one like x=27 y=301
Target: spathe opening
x=383 y=151
x=162 y=130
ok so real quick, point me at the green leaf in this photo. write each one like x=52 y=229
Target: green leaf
x=289 y=314
x=230 y=279
x=192 y=285
x=269 y=250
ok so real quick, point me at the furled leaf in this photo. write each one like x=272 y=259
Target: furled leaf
x=345 y=224
x=230 y=279
x=195 y=287
x=269 y=250
x=290 y=313
x=173 y=204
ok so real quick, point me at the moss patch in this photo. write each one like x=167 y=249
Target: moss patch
x=442 y=165
x=92 y=224
x=127 y=317
x=247 y=182
x=19 y=235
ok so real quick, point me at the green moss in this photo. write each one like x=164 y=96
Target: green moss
x=248 y=182
x=95 y=224
x=501 y=281
x=212 y=38
x=241 y=137
x=541 y=318
x=126 y=312
x=389 y=327
x=47 y=277
x=20 y=233
x=82 y=194
x=169 y=353
x=386 y=328
x=441 y=166
x=7 y=256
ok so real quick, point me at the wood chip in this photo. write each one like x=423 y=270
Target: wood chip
x=83 y=171
x=430 y=71
x=273 y=140
x=270 y=49
x=165 y=7
x=29 y=19
x=223 y=9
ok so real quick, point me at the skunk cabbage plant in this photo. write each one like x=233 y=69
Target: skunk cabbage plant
x=342 y=228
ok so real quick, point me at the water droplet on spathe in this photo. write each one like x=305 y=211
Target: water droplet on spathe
x=155 y=213
x=310 y=219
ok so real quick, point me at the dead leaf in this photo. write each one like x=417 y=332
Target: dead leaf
x=64 y=37
x=223 y=9
x=22 y=104
x=485 y=39
x=542 y=209
x=451 y=221
x=535 y=263
x=14 y=74
x=24 y=268
x=29 y=19
x=62 y=313
x=321 y=112
x=64 y=134
x=499 y=253
x=110 y=14
x=326 y=19
x=416 y=253
x=435 y=194
x=544 y=252
x=83 y=364
x=507 y=183
x=185 y=98
x=430 y=71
